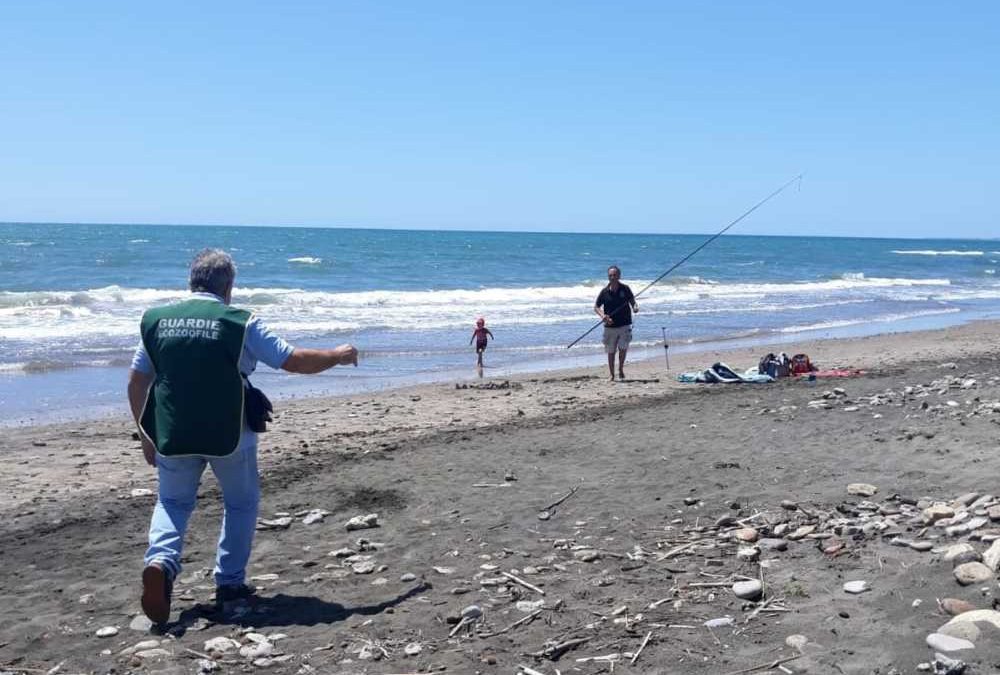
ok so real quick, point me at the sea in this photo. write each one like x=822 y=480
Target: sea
x=71 y=296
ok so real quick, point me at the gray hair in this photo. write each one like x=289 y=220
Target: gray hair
x=212 y=270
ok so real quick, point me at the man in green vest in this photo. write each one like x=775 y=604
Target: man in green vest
x=186 y=391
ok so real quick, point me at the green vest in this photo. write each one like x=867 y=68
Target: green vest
x=195 y=406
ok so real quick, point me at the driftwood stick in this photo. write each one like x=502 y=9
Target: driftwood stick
x=522 y=582
x=760 y=608
x=709 y=584
x=553 y=652
x=561 y=500
x=529 y=671
x=657 y=603
x=607 y=658
x=517 y=623
x=635 y=656
x=461 y=624
x=766 y=666
x=676 y=551
x=490 y=485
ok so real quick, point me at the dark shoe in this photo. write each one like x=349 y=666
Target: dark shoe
x=234 y=592
x=157 y=587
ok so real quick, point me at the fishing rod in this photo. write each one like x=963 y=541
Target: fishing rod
x=692 y=253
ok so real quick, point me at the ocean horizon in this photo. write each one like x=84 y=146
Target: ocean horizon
x=71 y=296
x=533 y=230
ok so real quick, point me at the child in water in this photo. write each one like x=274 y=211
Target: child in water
x=480 y=335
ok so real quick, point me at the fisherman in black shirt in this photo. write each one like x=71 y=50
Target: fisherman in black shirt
x=615 y=305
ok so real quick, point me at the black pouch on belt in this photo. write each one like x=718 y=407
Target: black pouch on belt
x=257 y=407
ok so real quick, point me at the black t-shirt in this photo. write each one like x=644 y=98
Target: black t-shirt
x=611 y=302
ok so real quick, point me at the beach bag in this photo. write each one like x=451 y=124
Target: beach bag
x=775 y=366
x=802 y=365
x=764 y=363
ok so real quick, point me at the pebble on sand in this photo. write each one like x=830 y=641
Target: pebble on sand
x=954 y=606
x=155 y=653
x=861 y=489
x=362 y=522
x=472 y=612
x=720 y=622
x=856 y=587
x=991 y=557
x=257 y=650
x=315 y=516
x=989 y=616
x=363 y=567
x=107 y=631
x=937 y=512
x=278 y=523
x=220 y=645
x=956 y=550
x=797 y=642
x=965 y=631
x=972 y=573
x=946 y=643
x=748 y=590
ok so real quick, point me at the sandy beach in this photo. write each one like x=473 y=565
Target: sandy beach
x=595 y=527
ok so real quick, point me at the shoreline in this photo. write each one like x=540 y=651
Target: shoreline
x=283 y=388
x=99 y=455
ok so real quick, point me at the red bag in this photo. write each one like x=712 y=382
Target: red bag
x=802 y=365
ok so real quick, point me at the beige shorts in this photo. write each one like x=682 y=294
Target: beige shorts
x=617 y=338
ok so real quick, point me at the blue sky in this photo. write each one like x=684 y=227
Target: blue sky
x=576 y=116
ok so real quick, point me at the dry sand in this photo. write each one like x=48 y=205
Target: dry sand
x=649 y=465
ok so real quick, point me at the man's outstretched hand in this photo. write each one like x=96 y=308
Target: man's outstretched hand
x=348 y=354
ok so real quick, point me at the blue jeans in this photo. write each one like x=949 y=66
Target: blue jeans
x=179 y=479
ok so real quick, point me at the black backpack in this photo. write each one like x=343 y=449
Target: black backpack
x=775 y=366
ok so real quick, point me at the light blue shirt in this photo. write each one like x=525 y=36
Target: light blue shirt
x=260 y=344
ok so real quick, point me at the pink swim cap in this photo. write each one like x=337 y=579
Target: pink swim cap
x=480 y=322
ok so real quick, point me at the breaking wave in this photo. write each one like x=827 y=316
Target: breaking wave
x=886 y=318
x=115 y=310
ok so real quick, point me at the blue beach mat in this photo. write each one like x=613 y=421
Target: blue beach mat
x=720 y=373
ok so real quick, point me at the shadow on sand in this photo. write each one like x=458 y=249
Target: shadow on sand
x=283 y=610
